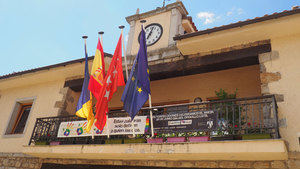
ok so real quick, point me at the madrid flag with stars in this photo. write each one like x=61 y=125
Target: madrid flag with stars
x=113 y=79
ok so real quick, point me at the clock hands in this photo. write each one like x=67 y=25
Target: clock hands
x=153 y=33
x=150 y=33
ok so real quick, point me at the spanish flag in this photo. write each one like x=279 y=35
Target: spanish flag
x=98 y=71
x=113 y=79
x=84 y=105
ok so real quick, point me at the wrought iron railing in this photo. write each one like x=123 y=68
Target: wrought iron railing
x=233 y=117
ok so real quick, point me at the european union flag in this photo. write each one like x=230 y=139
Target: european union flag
x=137 y=88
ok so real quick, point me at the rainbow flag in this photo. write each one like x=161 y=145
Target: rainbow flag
x=147 y=125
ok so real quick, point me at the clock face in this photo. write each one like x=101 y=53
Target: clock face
x=153 y=33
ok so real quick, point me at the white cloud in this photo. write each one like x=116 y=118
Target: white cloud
x=235 y=11
x=240 y=11
x=208 y=17
x=229 y=13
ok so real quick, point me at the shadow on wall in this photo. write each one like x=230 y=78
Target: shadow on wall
x=82 y=166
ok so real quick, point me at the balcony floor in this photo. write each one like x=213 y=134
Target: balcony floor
x=245 y=150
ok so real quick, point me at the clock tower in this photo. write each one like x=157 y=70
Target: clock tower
x=162 y=24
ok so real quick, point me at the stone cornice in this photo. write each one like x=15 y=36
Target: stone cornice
x=179 y=5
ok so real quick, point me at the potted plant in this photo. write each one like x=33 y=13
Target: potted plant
x=197 y=136
x=255 y=132
x=114 y=141
x=139 y=138
x=54 y=143
x=41 y=141
x=158 y=138
x=228 y=117
x=223 y=131
x=176 y=137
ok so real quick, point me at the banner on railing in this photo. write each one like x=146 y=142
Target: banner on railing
x=182 y=122
x=117 y=126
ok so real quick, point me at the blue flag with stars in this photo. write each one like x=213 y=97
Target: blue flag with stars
x=137 y=88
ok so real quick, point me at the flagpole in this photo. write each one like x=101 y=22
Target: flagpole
x=150 y=101
x=101 y=37
x=93 y=135
x=84 y=37
x=151 y=115
x=126 y=68
x=107 y=125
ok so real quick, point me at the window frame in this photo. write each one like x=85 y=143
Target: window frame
x=7 y=131
x=21 y=110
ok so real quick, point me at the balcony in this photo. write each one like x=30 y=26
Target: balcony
x=192 y=131
x=230 y=119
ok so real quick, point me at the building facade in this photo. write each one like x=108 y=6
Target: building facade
x=253 y=64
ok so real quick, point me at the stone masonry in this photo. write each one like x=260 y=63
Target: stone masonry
x=63 y=103
x=175 y=164
x=19 y=161
x=269 y=77
x=22 y=161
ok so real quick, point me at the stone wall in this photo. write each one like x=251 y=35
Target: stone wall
x=162 y=55
x=67 y=105
x=266 y=77
x=294 y=160
x=19 y=161
x=175 y=164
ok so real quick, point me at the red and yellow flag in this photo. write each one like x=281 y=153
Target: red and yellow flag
x=113 y=79
x=98 y=71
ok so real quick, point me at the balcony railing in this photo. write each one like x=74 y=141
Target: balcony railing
x=231 y=119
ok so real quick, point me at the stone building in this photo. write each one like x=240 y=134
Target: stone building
x=256 y=61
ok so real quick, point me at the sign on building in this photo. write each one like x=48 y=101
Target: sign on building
x=185 y=122
x=116 y=126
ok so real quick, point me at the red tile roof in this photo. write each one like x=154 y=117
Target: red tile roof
x=192 y=23
x=295 y=10
x=48 y=67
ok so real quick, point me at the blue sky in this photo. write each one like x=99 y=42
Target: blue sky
x=36 y=33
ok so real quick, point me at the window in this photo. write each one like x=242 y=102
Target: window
x=19 y=117
x=20 y=122
x=299 y=138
